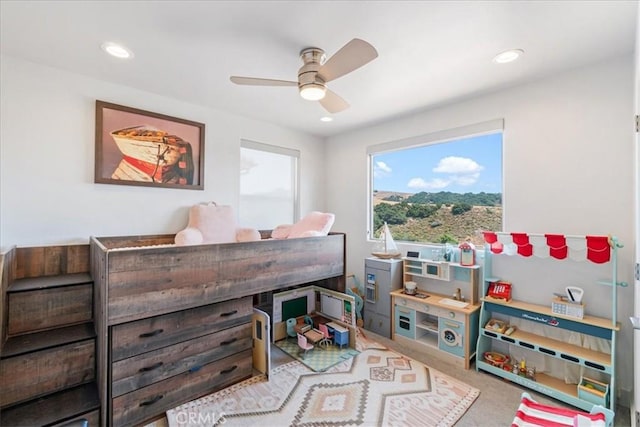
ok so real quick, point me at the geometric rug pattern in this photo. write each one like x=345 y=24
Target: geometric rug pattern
x=320 y=358
x=377 y=387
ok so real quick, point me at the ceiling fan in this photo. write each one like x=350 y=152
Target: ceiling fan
x=316 y=73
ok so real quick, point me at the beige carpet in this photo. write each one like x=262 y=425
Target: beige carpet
x=378 y=387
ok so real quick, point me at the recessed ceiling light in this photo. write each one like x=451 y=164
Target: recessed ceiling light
x=508 y=56
x=117 y=50
x=326 y=119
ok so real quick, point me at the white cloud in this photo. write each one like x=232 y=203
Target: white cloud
x=434 y=184
x=457 y=165
x=381 y=169
x=469 y=179
x=460 y=171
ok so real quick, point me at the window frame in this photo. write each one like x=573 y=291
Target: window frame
x=295 y=173
x=462 y=132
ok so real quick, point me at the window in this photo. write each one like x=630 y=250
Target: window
x=438 y=188
x=268 y=185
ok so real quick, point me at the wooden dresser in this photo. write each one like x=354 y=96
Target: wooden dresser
x=162 y=361
x=174 y=323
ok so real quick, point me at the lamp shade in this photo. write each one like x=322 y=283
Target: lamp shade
x=313 y=91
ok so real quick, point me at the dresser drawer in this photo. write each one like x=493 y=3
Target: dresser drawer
x=46 y=371
x=139 y=371
x=130 y=339
x=145 y=403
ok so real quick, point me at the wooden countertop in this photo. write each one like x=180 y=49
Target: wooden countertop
x=435 y=300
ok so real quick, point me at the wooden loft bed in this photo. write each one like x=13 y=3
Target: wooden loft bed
x=153 y=300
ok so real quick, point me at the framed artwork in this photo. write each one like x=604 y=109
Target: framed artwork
x=136 y=147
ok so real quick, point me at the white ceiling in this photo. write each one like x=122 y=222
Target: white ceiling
x=430 y=52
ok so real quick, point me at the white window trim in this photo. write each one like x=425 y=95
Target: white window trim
x=467 y=131
x=253 y=145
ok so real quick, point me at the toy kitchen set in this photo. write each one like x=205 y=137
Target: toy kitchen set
x=437 y=308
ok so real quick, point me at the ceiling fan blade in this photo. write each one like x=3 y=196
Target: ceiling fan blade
x=254 y=81
x=350 y=57
x=333 y=103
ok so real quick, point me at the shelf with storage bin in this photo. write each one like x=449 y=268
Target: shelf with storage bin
x=551 y=347
x=590 y=325
x=545 y=384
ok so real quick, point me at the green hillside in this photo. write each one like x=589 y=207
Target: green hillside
x=438 y=217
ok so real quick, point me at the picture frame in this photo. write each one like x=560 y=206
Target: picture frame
x=142 y=148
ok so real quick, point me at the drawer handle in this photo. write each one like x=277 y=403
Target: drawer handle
x=152 y=400
x=229 y=370
x=228 y=313
x=150 y=368
x=231 y=341
x=152 y=333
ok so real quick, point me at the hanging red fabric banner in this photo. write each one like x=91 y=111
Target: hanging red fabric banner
x=598 y=249
x=492 y=239
x=522 y=242
x=490 y=236
x=557 y=245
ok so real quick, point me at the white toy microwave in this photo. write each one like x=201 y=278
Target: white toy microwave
x=435 y=270
x=423 y=267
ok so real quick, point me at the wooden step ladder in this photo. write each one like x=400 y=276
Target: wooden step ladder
x=47 y=345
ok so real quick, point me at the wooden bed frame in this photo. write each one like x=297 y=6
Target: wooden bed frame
x=140 y=278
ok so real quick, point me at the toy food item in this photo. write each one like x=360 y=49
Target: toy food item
x=496 y=359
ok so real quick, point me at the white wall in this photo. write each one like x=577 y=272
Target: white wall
x=568 y=166
x=47 y=194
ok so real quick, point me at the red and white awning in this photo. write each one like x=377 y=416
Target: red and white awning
x=596 y=249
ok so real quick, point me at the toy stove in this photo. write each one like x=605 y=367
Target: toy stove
x=417 y=295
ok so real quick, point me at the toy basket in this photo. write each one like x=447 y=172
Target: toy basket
x=496 y=325
x=593 y=391
x=496 y=359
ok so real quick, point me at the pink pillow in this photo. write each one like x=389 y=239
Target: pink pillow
x=210 y=223
x=188 y=236
x=216 y=223
x=281 y=231
x=313 y=224
x=246 y=234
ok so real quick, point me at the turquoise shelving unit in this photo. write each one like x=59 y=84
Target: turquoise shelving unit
x=605 y=328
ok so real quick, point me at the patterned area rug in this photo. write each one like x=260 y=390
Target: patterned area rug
x=377 y=387
x=320 y=358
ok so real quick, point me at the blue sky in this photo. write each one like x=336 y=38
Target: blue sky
x=469 y=165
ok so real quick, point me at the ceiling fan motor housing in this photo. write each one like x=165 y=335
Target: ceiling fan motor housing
x=313 y=59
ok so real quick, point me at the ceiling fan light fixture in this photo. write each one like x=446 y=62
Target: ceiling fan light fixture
x=508 y=56
x=313 y=91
